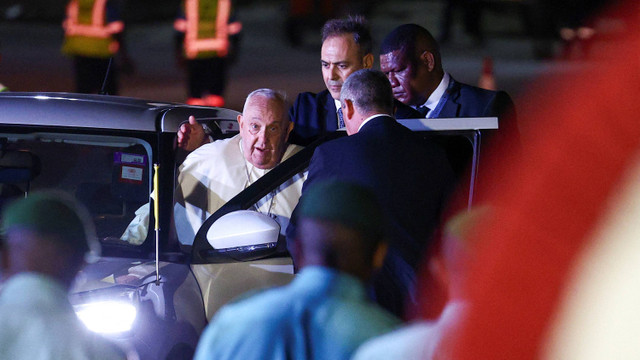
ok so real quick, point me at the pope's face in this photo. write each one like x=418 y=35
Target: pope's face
x=264 y=128
x=340 y=57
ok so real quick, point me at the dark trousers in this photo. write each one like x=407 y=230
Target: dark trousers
x=206 y=76
x=90 y=75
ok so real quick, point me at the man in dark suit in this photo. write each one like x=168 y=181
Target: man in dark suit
x=410 y=176
x=410 y=58
x=346 y=47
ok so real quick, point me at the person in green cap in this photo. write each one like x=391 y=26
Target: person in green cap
x=325 y=312
x=47 y=239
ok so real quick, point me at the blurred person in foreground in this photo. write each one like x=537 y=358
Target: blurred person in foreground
x=410 y=176
x=557 y=275
x=422 y=340
x=47 y=239
x=324 y=313
x=216 y=172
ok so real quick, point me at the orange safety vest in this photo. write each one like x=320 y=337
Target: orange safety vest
x=206 y=27
x=86 y=33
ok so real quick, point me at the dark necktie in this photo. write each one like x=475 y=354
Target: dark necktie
x=423 y=110
x=340 y=119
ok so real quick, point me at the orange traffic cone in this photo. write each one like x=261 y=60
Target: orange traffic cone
x=487 y=81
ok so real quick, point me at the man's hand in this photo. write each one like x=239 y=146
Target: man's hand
x=191 y=135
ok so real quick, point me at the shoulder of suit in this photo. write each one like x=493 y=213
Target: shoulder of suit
x=305 y=95
x=470 y=89
x=304 y=102
x=308 y=96
x=405 y=111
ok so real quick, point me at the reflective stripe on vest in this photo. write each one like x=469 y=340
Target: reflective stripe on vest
x=218 y=41
x=85 y=30
x=96 y=29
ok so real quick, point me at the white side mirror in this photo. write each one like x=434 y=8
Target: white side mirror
x=244 y=231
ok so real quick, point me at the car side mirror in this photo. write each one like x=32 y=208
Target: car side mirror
x=244 y=235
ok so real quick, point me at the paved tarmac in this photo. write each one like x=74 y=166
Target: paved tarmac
x=31 y=60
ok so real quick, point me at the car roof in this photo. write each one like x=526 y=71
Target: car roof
x=100 y=111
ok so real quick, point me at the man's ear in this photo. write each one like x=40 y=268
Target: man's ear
x=239 y=120
x=367 y=61
x=350 y=109
x=428 y=60
x=290 y=128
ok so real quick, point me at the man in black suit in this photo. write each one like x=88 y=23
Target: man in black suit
x=410 y=176
x=410 y=58
x=346 y=47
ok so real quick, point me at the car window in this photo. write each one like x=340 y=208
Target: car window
x=108 y=174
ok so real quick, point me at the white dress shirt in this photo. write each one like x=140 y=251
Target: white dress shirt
x=436 y=95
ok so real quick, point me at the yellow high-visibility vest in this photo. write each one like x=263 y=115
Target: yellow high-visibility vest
x=206 y=28
x=87 y=32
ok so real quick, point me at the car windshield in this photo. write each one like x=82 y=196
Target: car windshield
x=108 y=174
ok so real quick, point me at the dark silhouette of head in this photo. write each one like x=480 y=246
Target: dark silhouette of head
x=341 y=226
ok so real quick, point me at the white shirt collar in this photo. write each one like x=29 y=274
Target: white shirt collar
x=437 y=94
x=369 y=119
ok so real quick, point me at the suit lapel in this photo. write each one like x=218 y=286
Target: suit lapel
x=451 y=108
x=330 y=116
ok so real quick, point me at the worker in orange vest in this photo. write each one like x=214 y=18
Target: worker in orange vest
x=204 y=42
x=93 y=36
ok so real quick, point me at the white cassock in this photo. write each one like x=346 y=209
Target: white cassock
x=214 y=173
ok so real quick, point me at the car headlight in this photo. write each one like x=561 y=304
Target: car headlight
x=107 y=317
x=110 y=310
